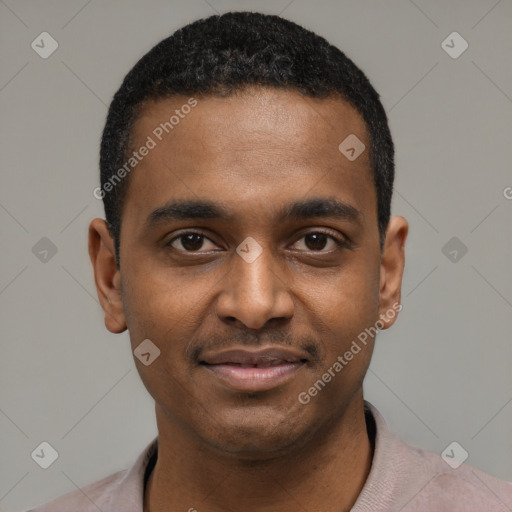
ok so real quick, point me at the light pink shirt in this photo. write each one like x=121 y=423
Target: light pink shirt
x=402 y=478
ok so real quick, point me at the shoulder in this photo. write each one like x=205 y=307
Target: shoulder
x=408 y=478
x=123 y=490
x=462 y=488
x=91 y=498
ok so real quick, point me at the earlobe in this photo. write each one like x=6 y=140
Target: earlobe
x=391 y=271
x=106 y=275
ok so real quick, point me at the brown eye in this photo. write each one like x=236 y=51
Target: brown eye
x=318 y=241
x=190 y=242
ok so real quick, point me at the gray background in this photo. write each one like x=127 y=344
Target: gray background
x=442 y=373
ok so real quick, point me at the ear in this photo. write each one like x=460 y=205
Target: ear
x=106 y=275
x=391 y=271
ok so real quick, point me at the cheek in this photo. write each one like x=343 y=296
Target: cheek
x=347 y=314
x=156 y=309
x=156 y=302
x=347 y=307
x=349 y=302
x=168 y=310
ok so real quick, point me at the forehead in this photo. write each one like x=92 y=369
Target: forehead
x=256 y=146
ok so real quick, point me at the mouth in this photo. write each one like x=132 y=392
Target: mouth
x=262 y=370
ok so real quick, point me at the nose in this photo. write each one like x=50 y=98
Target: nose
x=254 y=293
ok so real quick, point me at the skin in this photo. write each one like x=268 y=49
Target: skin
x=221 y=450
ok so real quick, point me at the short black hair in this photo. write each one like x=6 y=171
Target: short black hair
x=221 y=55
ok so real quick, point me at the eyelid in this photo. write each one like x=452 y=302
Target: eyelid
x=189 y=231
x=340 y=239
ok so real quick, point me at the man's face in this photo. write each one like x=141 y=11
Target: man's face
x=218 y=316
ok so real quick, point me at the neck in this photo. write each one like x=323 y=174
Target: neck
x=326 y=474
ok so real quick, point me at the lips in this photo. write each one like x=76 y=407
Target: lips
x=250 y=370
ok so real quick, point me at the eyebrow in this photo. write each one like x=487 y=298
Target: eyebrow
x=185 y=209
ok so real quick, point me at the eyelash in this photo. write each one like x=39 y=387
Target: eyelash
x=340 y=243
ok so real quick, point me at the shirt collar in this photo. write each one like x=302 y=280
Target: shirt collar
x=130 y=489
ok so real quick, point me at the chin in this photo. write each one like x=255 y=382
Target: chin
x=257 y=435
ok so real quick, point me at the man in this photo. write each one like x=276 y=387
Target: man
x=247 y=173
